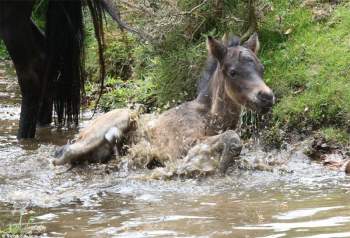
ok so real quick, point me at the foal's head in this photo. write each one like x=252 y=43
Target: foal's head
x=242 y=72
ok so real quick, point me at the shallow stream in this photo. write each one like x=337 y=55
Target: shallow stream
x=303 y=200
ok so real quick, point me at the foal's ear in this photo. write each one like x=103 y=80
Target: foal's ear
x=225 y=39
x=230 y=40
x=216 y=48
x=253 y=43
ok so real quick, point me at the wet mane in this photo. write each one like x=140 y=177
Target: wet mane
x=203 y=90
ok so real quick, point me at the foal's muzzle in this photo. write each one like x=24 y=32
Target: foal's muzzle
x=265 y=100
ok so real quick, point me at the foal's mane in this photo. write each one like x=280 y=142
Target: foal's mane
x=203 y=89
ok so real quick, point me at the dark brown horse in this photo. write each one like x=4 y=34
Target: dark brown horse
x=49 y=65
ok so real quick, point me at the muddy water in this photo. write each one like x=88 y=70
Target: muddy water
x=299 y=199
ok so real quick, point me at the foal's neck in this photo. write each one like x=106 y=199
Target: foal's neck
x=223 y=109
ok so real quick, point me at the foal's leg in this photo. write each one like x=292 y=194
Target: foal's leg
x=97 y=141
x=216 y=153
x=17 y=33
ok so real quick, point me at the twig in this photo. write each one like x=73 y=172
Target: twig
x=236 y=19
x=194 y=8
x=113 y=11
x=253 y=24
x=140 y=8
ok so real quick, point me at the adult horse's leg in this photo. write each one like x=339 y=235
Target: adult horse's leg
x=17 y=32
x=46 y=106
x=45 y=113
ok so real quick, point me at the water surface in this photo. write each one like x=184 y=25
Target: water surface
x=302 y=200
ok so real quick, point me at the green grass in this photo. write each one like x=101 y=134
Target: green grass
x=12 y=229
x=120 y=93
x=3 y=51
x=309 y=68
x=335 y=135
x=174 y=74
x=19 y=228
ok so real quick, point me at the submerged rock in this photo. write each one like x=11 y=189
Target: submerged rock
x=36 y=230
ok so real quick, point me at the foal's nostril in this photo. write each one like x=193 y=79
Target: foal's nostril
x=266 y=97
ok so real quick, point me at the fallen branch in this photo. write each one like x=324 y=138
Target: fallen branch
x=252 y=21
x=194 y=8
x=134 y=6
x=113 y=11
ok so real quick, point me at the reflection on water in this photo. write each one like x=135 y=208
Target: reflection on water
x=304 y=212
x=305 y=200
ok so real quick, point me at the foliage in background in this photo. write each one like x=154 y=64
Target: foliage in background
x=335 y=135
x=3 y=52
x=164 y=70
x=307 y=55
x=38 y=15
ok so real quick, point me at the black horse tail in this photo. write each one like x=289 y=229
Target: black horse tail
x=65 y=54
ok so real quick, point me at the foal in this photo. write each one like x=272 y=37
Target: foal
x=197 y=130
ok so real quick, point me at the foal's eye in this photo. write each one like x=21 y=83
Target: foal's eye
x=233 y=72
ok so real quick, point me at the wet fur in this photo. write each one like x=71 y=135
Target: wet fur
x=207 y=121
x=92 y=144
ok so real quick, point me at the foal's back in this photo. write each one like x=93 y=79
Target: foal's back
x=175 y=131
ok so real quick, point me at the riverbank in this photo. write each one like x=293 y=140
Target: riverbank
x=305 y=50
x=267 y=193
